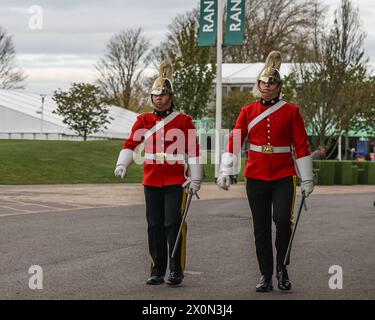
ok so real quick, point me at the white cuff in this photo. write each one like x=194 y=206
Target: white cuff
x=196 y=171
x=305 y=168
x=228 y=163
x=195 y=160
x=125 y=158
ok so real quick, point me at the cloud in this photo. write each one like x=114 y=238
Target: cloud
x=86 y=26
x=48 y=72
x=75 y=32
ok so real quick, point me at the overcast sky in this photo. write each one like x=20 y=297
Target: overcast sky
x=75 y=33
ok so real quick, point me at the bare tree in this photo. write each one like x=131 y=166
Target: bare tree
x=141 y=96
x=10 y=77
x=120 y=70
x=283 y=25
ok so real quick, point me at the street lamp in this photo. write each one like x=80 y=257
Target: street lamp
x=41 y=112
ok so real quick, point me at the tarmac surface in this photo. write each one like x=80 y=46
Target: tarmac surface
x=91 y=243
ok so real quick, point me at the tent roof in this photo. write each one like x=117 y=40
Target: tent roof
x=30 y=104
x=247 y=73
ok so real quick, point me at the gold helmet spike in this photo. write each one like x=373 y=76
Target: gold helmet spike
x=163 y=83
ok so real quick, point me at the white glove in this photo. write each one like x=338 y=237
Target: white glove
x=223 y=181
x=228 y=166
x=193 y=183
x=125 y=158
x=307 y=187
x=120 y=171
x=305 y=170
x=194 y=187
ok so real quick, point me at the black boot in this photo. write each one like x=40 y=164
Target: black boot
x=283 y=282
x=155 y=280
x=265 y=284
x=175 y=278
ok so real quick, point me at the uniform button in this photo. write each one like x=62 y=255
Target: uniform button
x=268 y=125
x=268 y=119
x=268 y=131
x=269 y=143
x=268 y=137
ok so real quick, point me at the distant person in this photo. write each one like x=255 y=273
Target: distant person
x=360 y=157
x=165 y=183
x=353 y=154
x=372 y=154
x=319 y=154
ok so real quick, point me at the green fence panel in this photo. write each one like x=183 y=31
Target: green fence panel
x=326 y=173
x=362 y=171
x=370 y=172
x=354 y=174
x=343 y=172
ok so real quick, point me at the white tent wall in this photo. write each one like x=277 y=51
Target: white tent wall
x=14 y=123
x=21 y=118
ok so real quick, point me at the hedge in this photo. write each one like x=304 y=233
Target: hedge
x=344 y=172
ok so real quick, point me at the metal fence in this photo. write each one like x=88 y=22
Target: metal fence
x=51 y=136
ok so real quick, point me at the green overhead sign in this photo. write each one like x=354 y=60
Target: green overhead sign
x=208 y=23
x=235 y=24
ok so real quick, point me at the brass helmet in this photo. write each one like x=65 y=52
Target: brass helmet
x=163 y=83
x=270 y=73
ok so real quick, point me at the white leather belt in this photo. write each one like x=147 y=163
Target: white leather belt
x=269 y=149
x=161 y=156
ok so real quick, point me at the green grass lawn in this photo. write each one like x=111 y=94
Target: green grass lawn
x=67 y=162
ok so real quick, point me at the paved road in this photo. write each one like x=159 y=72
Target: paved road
x=99 y=251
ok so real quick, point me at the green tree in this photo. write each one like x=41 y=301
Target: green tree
x=194 y=67
x=327 y=85
x=365 y=119
x=82 y=109
x=232 y=104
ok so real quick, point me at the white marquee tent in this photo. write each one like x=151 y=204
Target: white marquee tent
x=22 y=117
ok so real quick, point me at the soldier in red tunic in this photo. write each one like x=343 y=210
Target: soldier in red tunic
x=169 y=137
x=279 y=149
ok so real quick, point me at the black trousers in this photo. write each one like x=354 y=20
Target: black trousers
x=164 y=208
x=271 y=200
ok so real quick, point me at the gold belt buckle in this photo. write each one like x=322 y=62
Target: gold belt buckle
x=267 y=149
x=161 y=156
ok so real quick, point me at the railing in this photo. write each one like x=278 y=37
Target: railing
x=46 y=136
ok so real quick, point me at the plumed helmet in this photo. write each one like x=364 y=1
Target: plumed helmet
x=270 y=72
x=163 y=83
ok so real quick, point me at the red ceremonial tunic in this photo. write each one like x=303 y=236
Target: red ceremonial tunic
x=176 y=138
x=284 y=127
